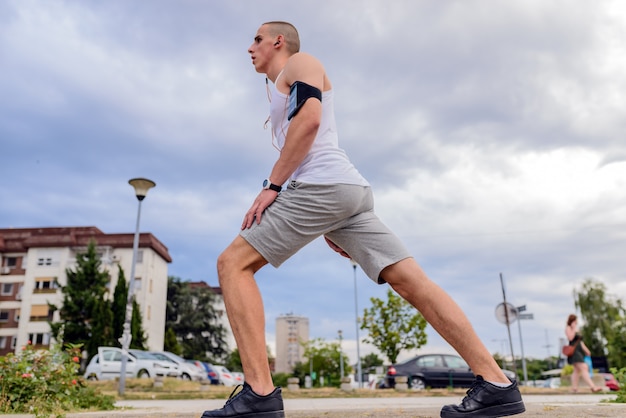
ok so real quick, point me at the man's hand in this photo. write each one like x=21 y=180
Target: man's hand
x=336 y=248
x=262 y=202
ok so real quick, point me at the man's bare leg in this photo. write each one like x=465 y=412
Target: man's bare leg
x=444 y=315
x=236 y=267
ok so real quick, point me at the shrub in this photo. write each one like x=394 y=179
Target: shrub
x=280 y=379
x=620 y=376
x=46 y=382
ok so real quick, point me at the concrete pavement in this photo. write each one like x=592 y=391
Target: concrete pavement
x=570 y=406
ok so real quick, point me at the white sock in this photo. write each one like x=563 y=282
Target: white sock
x=501 y=385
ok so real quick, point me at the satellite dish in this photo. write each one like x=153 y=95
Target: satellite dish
x=502 y=310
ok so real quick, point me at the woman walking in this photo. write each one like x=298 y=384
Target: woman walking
x=577 y=360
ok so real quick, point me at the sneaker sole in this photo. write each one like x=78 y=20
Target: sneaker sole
x=273 y=414
x=491 y=412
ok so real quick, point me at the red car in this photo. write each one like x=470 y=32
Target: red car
x=610 y=382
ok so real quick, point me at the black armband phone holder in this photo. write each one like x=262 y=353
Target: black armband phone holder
x=299 y=93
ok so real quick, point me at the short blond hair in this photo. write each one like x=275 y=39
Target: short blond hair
x=289 y=32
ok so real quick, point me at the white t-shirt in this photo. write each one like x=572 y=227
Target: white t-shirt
x=325 y=163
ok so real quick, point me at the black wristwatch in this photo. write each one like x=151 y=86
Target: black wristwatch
x=267 y=184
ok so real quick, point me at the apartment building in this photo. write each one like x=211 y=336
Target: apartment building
x=291 y=332
x=32 y=258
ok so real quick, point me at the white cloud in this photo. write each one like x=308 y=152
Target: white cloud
x=492 y=134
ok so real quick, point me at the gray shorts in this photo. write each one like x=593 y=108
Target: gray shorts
x=342 y=212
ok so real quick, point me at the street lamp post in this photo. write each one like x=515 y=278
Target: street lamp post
x=340 y=355
x=356 y=311
x=141 y=186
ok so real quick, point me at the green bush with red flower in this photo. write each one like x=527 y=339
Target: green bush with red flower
x=46 y=383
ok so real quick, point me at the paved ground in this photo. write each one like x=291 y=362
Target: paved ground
x=564 y=406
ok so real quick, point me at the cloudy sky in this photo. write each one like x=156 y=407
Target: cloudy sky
x=491 y=132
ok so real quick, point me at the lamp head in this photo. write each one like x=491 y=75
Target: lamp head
x=141 y=186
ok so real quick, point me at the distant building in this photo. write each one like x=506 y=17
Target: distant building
x=291 y=332
x=32 y=258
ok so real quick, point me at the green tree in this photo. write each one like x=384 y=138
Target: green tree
x=83 y=318
x=370 y=361
x=393 y=325
x=136 y=328
x=325 y=359
x=604 y=320
x=192 y=315
x=171 y=343
x=617 y=344
x=118 y=305
x=101 y=329
x=534 y=368
x=599 y=311
x=233 y=362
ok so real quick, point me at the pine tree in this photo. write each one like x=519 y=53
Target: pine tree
x=101 y=329
x=171 y=343
x=136 y=328
x=83 y=316
x=118 y=306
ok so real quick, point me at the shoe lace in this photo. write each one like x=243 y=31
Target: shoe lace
x=478 y=383
x=232 y=395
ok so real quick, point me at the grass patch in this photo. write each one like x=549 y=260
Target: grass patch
x=181 y=389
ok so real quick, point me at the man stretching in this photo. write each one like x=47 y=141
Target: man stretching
x=326 y=196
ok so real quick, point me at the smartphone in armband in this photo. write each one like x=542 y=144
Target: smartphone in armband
x=299 y=93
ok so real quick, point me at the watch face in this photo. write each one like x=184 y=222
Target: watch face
x=265 y=183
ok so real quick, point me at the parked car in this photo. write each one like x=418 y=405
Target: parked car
x=187 y=371
x=225 y=376
x=239 y=379
x=610 y=381
x=209 y=369
x=435 y=371
x=552 y=383
x=107 y=364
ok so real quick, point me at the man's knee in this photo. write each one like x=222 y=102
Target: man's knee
x=237 y=258
x=222 y=264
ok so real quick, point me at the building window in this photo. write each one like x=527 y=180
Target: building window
x=139 y=256
x=39 y=339
x=48 y=257
x=3 y=342
x=44 y=261
x=10 y=262
x=40 y=313
x=4 y=316
x=137 y=285
x=13 y=343
x=45 y=285
x=7 y=289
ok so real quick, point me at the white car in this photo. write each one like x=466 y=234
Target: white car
x=239 y=378
x=186 y=370
x=225 y=376
x=107 y=364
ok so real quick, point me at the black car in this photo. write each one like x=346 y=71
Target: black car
x=434 y=371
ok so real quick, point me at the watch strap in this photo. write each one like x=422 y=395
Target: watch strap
x=267 y=184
